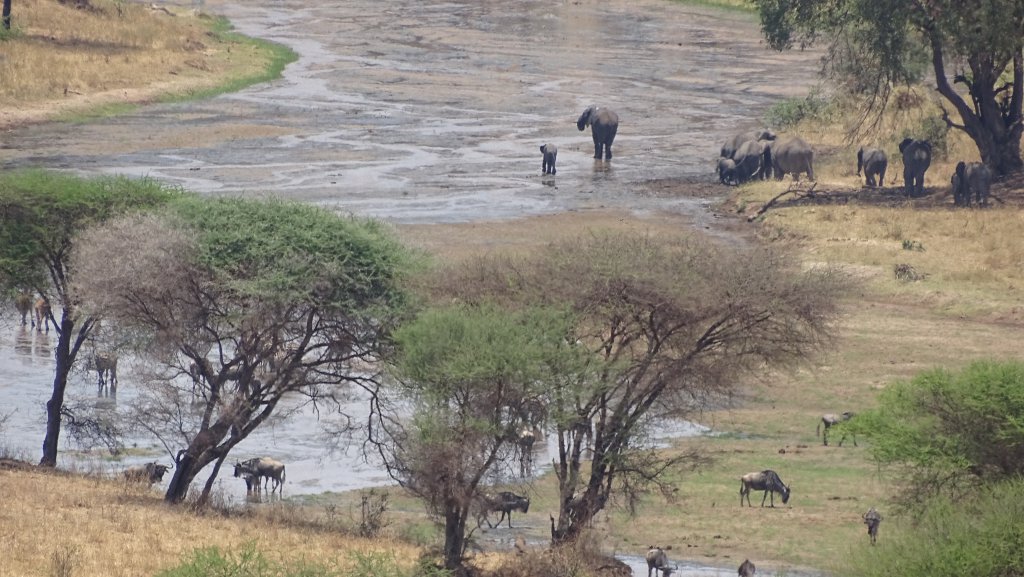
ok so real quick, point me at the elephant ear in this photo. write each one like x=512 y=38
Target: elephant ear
x=906 y=142
x=543 y=148
x=584 y=120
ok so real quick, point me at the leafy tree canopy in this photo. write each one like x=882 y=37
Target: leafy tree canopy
x=876 y=44
x=949 y=431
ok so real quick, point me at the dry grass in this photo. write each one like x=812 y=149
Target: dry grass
x=106 y=528
x=63 y=60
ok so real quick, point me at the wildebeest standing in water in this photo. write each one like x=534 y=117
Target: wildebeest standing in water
x=42 y=311
x=657 y=560
x=872 y=519
x=746 y=569
x=23 y=303
x=105 y=364
x=263 y=467
x=767 y=481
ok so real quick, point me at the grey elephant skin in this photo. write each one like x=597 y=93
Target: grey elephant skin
x=732 y=145
x=917 y=157
x=793 y=156
x=746 y=164
x=603 y=123
x=874 y=162
x=550 y=152
x=969 y=178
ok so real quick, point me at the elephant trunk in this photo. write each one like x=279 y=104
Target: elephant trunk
x=860 y=160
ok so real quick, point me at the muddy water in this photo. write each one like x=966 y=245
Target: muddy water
x=422 y=112
x=434 y=112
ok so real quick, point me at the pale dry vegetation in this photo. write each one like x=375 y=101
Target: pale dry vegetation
x=107 y=528
x=59 y=59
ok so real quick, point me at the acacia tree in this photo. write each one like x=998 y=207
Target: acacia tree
x=472 y=375
x=669 y=327
x=949 y=432
x=977 y=43
x=40 y=214
x=242 y=303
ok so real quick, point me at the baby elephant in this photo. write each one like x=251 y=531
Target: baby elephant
x=874 y=162
x=550 y=152
x=971 y=177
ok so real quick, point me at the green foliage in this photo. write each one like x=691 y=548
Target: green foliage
x=42 y=211
x=374 y=564
x=949 y=432
x=980 y=536
x=212 y=562
x=290 y=252
x=934 y=130
x=448 y=348
x=790 y=112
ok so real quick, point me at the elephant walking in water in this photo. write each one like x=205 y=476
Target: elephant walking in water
x=550 y=152
x=917 y=157
x=603 y=123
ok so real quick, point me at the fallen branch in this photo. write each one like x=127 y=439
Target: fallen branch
x=791 y=190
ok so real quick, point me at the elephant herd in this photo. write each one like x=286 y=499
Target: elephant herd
x=760 y=155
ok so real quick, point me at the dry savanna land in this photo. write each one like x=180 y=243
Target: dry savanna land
x=963 y=302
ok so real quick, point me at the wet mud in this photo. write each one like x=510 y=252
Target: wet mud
x=425 y=114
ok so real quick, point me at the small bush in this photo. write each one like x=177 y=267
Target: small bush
x=63 y=561
x=212 y=562
x=792 y=111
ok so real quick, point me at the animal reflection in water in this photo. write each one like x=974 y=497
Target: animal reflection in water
x=30 y=345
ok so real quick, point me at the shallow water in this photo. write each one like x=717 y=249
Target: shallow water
x=419 y=112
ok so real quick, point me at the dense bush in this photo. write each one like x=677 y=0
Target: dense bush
x=790 y=112
x=980 y=536
x=950 y=432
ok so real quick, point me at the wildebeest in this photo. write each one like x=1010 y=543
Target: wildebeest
x=524 y=444
x=767 y=481
x=42 y=311
x=830 y=419
x=746 y=569
x=657 y=560
x=23 y=302
x=105 y=364
x=872 y=519
x=263 y=467
x=505 y=502
x=149 y=473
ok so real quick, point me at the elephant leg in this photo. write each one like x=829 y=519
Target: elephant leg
x=607 y=151
x=597 y=148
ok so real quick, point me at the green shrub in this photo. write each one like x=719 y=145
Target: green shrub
x=212 y=562
x=980 y=536
x=792 y=111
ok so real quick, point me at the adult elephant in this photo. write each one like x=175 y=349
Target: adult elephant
x=746 y=163
x=733 y=144
x=793 y=156
x=971 y=177
x=874 y=162
x=603 y=123
x=917 y=157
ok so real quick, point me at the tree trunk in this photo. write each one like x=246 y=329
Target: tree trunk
x=55 y=405
x=7 y=15
x=454 y=538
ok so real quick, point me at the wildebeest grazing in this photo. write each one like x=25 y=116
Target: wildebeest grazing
x=265 y=468
x=746 y=569
x=23 y=303
x=505 y=502
x=657 y=560
x=830 y=419
x=767 y=481
x=149 y=473
x=872 y=519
